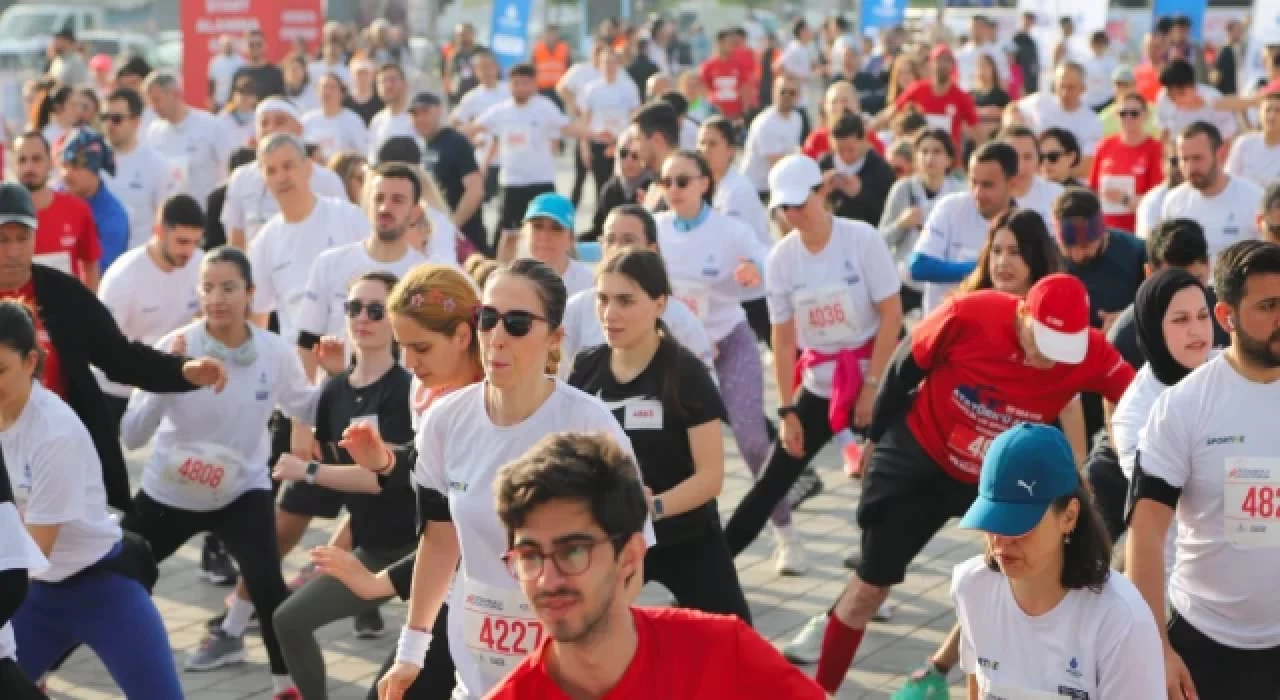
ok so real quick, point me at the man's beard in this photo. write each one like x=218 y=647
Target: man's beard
x=391 y=235
x=1257 y=352
x=33 y=186
x=596 y=622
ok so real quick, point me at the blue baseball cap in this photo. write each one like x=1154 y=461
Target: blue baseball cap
x=1026 y=468
x=551 y=205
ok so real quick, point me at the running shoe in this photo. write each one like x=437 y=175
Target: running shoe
x=369 y=625
x=290 y=694
x=217 y=650
x=852 y=454
x=216 y=566
x=215 y=622
x=883 y=613
x=924 y=684
x=789 y=556
x=806 y=647
x=807 y=486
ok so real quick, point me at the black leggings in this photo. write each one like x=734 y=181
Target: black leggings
x=247 y=526
x=699 y=572
x=779 y=474
x=14 y=684
x=758 y=318
x=579 y=177
x=601 y=167
x=1219 y=671
x=436 y=680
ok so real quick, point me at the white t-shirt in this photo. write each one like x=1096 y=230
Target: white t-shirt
x=770 y=135
x=442 y=246
x=332 y=275
x=1042 y=111
x=459 y=453
x=142 y=181
x=1127 y=422
x=147 y=302
x=737 y=197
x=1213 y=436
x=318 y=69
x=582 y=329
x=197 y=148
x=222 y=71
x=1173 y=120
x=235 y=420
x=832 y=294
x=57 y=480
x=343 y=132
x=1098 y=87
x=384 y=125
x=1252 y=159
x=306 y=100
x=701 y=265
x=525 y=133
x=955 y=231
x=1226 y=218
x=1149 y=208
x=238 y=127
x=1090 y=645
x=476 y=102
x=1039 y=198
x=250 y=204
x=610 y=104
x=578 y=277
x=796 y=60
x=578 y=77
x=283 y=255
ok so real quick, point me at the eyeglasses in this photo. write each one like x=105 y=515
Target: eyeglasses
x=570 y=558
x=517 y=323
x=1051 y=156
x=678 y=181
x=377 y=310
x=111 y=118
x=628 y=153
x=788 y=93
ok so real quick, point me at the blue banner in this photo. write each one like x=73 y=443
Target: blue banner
x=509 y=39
x=881 y=14
x=1194 y=9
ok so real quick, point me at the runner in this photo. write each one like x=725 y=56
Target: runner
x=394 y=119
x=143 y=178
x=66 y=238
x=548 y=230
x=570 y=90
x=1225 y=206
x=94 y=590
x=606 y=105
x=777 y=131
x=1029 y=189
x=192 y=140
x=1128 y=165
x=1205 y=458
x=1253 y=154
x=574 y=517
x=668 y=404
x=477 y=101
x=1043 y=614
x=84 y=162
x=20 y=557
x=332 y=127
x=450 y=158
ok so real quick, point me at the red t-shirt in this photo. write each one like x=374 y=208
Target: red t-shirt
x=951 y=110
x=1133 y=169
x=819 y=143
x=749 y=67
x=66 y=234
x=52 y=377
x=680 y=655
x=1146 y=79
x=726 y=80
x=978 y=383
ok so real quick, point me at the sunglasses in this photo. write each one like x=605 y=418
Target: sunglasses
x=1273 y=229
x=377 y=310
x=1173 y=163
x=678 y=181
x=110 y=118
x=788 y=93
x=517 y=323
x=628 y=153
x=1129 y=113
x=1051 y=156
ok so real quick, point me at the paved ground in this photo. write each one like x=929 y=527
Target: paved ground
x=780 y=605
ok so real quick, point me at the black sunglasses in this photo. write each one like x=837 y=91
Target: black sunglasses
x=1130 y=113
x=788 y=93
x=679 y=181
x=110 y=118
x=518 y=323
x=628 y=153
x=1051 y=156
x=377 y=310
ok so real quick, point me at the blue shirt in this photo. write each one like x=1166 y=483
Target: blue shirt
x=113 y=224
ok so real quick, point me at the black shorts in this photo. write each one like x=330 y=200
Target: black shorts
x=491 y=187
x=1219 y=671
x=515 y=202
x=906 y=499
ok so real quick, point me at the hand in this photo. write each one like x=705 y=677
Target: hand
x=791 y=435
x=350 y=572
x=652 y=198
x=397 y=681
x=912 y=218
x=289 y=468
x=179 y=346
x=205 y=371
x=747 y=273
x=864 y=465
x=302 y=442
x=862 y=407
x=585 y=152
x=851 y=185
x=1177 y=679
x=365 y=446
x=331 y=353
x=640 y=195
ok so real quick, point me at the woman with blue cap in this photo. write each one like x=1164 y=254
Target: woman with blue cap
x=1042 y=613
x=548 y=232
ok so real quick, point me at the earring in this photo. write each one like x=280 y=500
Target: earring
x=1066 y=539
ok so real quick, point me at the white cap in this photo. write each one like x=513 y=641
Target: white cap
x=276 y=104
x=792 y=180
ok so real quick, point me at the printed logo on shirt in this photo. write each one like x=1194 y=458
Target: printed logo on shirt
x=710 y=268
x=1073 y=669
x=988 y=663
x=261 y=393
x=1225 y=440
x=851 y=278
x=68 y=241
x=1074 y=693
x=149 y=309
x=459 y=486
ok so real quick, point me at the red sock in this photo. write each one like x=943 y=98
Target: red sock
x=839 y=645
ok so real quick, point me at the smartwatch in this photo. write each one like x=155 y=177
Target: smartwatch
x=312 y=468
x=784 y=411
x=657 y=507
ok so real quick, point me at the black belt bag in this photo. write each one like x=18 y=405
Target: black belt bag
x=135 y=561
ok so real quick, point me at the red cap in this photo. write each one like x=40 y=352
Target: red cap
x=1059 y=306
x=941 y=50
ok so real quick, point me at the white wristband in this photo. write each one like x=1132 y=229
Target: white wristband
x=412 y=647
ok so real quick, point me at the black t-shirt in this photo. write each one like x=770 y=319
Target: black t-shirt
x=877 y=178
x=267 y=79
x=382 y=522
x=1028 y=59
x=450 y=157
x=995 y=97
x=664 y=454
x=367 y=110
x=1112 y=278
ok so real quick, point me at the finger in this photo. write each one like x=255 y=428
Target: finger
x=221 y=382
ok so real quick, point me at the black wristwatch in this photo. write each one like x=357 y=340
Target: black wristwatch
x=784 y=411
x=312 y=469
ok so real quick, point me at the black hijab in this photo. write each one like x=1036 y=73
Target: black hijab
x=1154 y=297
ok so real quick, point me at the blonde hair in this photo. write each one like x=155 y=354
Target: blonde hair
x=480 y=268
x=437 y=298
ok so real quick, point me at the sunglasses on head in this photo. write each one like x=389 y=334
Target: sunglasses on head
x=1051 y=156
x=517 y=323
x=377 y=310
x=678 y=181
x=1129 y=113
x=110 y=118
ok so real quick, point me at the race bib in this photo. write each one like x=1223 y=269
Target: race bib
x=499 y=628
x=938 y=121
x=968 y=446
x=180 y=172
x=826 y=316
x=695 y=295
x=203 y=474
x=1125 y=184
x=60 y=261
x=326 y=141
x=997 y=692
x=517 y=139
x=643 y=415
x=1251 y=502
x=613 y=121
x=726 y=88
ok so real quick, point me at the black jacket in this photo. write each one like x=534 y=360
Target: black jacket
x=613 y=196
x=83 y=332
x=876 y=176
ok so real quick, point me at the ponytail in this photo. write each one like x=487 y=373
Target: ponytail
x=668 y=358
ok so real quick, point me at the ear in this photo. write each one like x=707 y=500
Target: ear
x=631 y=565
x=1222 y=313
x=1070 y=516
x=1146 y=270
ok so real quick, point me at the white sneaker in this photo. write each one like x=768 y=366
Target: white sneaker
x=806 y=647
x=789 y=556
x=884 y=613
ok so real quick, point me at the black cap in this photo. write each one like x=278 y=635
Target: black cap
x=424 y=99
x=66 y=33
x=16 y=206
x=400 y=149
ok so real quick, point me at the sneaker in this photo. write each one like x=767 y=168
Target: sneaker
x=806 y=647
x=216 y=566
x=307 y=573
x=369 y=625
x=789 y=556
x=852 y=454
x=807 y=486
x=290 y=694
x=884 y=613
x=924 y=684
x=217 y=650
x=215 y=622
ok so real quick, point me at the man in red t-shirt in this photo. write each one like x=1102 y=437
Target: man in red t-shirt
x=938 y=99
x=980 y=363
x=575 y=515
x=726 y=77
x=749 y=65
x=66 y=237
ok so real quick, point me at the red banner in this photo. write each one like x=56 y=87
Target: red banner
x=204 y=22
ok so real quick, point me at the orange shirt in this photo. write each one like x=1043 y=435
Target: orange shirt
x=550 y=63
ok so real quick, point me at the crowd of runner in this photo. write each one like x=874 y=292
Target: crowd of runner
x=1050 y=308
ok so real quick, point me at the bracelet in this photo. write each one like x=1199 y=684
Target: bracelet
x=412 y=646
x=391 y=461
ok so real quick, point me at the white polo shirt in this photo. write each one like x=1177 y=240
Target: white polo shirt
x=1227 y=217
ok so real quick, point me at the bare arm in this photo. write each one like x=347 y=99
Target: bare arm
x=1072 y=419
x=706 y=442
x=46 y=536
x=90 y=274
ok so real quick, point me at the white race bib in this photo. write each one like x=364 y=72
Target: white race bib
x=203 y=473
x=938 y=121
x=499 y=628
x=1123 y=183
x=60 y=261
x=180 y=172
x=996 y=692
x=1251 y=502
x=825 y=316
x=517 y=139
x=695 y=295
x=643 y=415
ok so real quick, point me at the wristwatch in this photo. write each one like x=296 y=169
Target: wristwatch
x=657 y=507
x=784 y=411
x=312 y=469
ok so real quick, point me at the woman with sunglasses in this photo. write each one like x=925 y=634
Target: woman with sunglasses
x=237 y=117
x=627 y=186
x=375 y=391
x=1127 y=166
x=711 y=258
x=208 y=471
x=463 y=440
x=1059 y=156
x=331 y=126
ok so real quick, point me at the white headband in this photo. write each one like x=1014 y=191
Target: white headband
x=276 y=104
